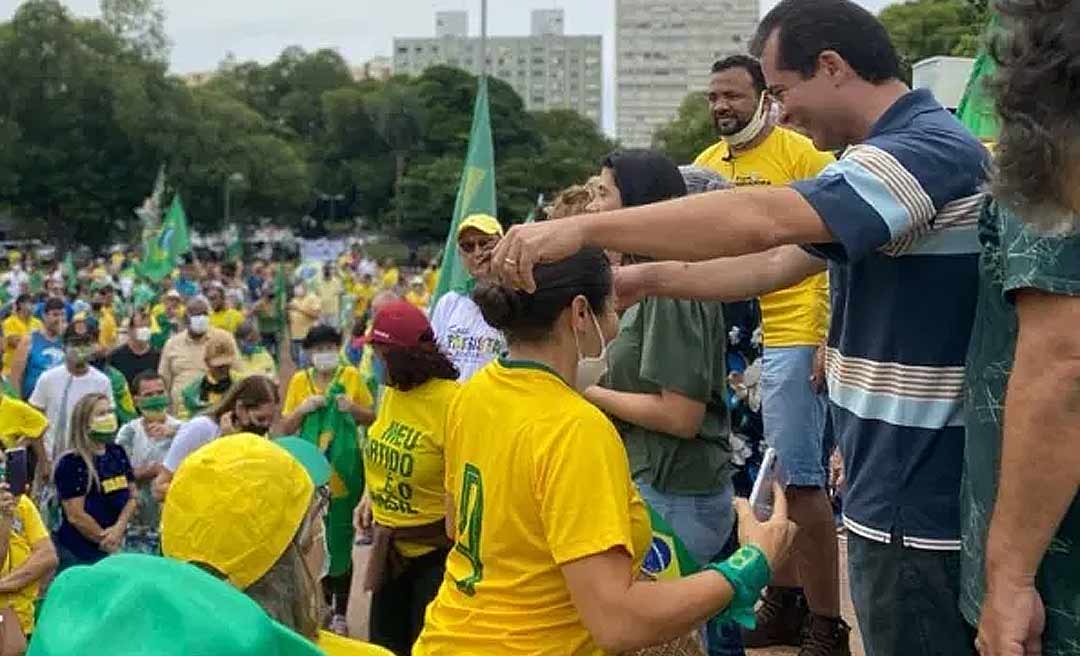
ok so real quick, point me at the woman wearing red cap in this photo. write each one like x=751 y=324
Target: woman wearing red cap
x=404 y=503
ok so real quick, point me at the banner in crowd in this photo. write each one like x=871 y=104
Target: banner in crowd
x=476 y=195
x=321 y=250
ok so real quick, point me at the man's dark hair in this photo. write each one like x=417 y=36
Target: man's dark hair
x=54 y=304
x=1037 y=95
x=322 y=335
x=73 y=336
x=142 y=377
x=745 y=62
x=809 y=28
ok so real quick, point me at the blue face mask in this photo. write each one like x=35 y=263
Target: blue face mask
x=248 y=349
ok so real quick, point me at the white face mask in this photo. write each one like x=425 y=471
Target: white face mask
x=757 y=123
x=591 y=369
x=200 y=323
x=142 y=334
x=324 y=361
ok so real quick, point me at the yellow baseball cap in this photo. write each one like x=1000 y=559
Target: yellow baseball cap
x=235 y=505
x=485 y=223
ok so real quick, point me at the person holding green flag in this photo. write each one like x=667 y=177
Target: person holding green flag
x=326 y=403
x=459 y=326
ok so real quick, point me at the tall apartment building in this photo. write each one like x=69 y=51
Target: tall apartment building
x=548 y=69
x=664 y=50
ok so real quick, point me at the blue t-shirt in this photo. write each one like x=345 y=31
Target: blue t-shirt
x=44 y=354
x=903 y=209
x=104 y=500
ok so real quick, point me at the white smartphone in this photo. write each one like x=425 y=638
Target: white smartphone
x=761 y=495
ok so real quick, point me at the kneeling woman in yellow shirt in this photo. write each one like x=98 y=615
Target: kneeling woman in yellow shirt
x=405 y=504
x=550 y=531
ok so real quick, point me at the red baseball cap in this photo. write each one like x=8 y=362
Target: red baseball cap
x=399 y=323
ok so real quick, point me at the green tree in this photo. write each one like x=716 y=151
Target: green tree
x=690 y=132
x=141 y=23
x=925 y=28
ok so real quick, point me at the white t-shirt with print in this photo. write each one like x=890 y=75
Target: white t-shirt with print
x=464 y=336
x=56 y=393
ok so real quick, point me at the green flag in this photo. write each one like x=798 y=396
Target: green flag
x=71 y=273
x=976 y=110
x=336 y=434
x=163 y=247
x=668 y=557
x=476 y=195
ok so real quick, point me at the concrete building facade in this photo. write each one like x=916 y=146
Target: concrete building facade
x=549 y=70
x=665 y=50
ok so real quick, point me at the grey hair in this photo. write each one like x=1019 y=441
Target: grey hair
x=1037 y=92
x=700 y=180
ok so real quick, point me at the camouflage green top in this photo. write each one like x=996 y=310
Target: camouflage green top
x=1014 y=257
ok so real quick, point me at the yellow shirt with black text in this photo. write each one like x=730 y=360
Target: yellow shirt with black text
x=798 y=315
x=538 y=478
x=403 y=458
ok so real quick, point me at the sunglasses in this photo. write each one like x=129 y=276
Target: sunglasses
x=468 y=247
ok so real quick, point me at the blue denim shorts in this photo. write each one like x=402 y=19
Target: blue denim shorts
x=794 y=414
x=702 y=521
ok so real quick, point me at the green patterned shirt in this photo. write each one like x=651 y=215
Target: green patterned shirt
x=1014 y=257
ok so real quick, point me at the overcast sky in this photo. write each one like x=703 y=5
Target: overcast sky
x=203 y=31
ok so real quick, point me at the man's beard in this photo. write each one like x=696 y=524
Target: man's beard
x=727 y=132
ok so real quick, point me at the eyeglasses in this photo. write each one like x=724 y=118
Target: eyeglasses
x=468 y=247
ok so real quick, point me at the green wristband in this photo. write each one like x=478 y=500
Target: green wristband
x=747 y=570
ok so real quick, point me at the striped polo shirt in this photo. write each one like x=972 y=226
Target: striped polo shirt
x=903 y=209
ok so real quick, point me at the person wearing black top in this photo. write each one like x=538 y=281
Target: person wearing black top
x=137 y=355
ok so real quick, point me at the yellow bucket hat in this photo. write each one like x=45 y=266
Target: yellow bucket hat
x=235 y=504
x=485 y=223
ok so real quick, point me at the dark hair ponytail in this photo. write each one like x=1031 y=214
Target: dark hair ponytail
x=525 y=317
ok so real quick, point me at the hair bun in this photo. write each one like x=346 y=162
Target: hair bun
x=499 y=305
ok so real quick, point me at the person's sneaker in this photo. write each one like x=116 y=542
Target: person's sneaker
x=780 y=619
x=339 y=626
x=826 y=636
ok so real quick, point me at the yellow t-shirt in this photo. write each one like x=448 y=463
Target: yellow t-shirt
x=798 y=315
x=303 y=386
x=27 y=529
x=300 y=324
x=108 y=330
x=363 y=295
x=228 y=319
x=403 y=458
x=431 y=279
x=335 y=645
x=14 y=326
x=390 y=278
x=418 y=300
x=18 y=420
x=539 y=478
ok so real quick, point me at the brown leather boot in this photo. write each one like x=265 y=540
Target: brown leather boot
x=780 y=619
x=826 y=636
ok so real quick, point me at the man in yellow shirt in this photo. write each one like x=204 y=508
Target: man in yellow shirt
x=391 y=274
x=20 y=323
x=305 y=309
x=417 y=294
x=222 y=316
x=102 y=305
x=362 y=292
x=330 y=290
x=753 y=151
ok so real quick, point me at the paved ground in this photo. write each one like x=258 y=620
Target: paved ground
x=358 y=608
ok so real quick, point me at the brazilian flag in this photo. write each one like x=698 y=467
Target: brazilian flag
x=337 y=436
x=668 y=557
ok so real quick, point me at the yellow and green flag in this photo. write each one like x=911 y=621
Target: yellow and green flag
x=476 y=195
x=668 y=557
x=163 y=247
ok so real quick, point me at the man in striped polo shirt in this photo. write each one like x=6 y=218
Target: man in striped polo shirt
x=894 y=220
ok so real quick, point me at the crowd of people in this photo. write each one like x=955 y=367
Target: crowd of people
x=553 y=457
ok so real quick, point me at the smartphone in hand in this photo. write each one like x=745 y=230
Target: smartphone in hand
x=761 y=495
x=17 y=474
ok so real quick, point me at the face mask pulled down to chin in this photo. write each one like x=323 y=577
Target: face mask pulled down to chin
x=590 y=369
